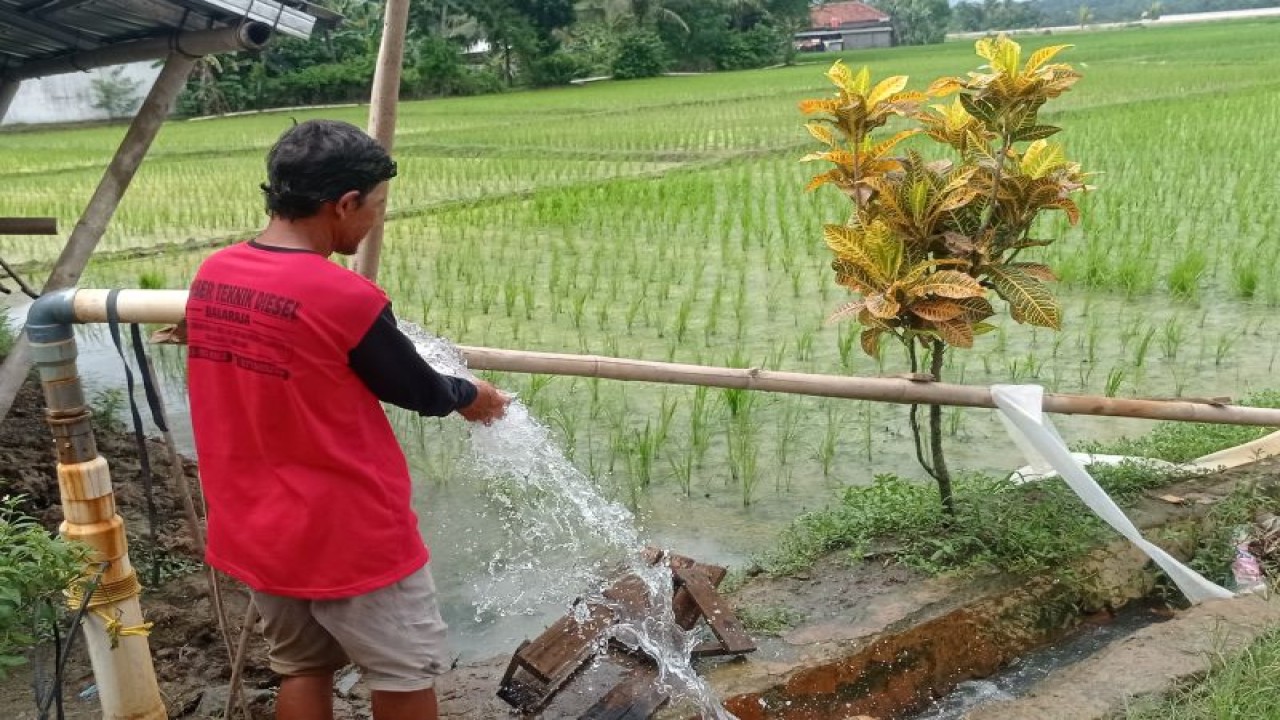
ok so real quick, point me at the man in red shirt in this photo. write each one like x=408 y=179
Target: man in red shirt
x=308 y=492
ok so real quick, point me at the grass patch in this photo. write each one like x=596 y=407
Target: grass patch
x=1180 y=442
x=1242 y=686
x=998 y=525
x=771 y=620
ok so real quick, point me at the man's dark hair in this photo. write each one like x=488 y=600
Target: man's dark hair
x=319 y=161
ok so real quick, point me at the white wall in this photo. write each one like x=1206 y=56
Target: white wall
x=69 y=97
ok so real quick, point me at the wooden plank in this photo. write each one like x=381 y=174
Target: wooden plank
x=725 y=625
x=683 y=604
x=635 y=698
x=709 y=648
x=564 y=645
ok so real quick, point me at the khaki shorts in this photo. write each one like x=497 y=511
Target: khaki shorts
x=394 y=634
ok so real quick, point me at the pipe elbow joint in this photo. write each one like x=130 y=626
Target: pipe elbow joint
x=50 y=318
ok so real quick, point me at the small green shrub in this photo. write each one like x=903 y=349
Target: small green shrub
x=558 y=68
x=34 y=568
x=641 y=54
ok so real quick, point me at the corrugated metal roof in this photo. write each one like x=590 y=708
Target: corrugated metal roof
x=844 y=14
x=33 y=30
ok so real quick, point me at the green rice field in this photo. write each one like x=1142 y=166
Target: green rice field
x=666 y=219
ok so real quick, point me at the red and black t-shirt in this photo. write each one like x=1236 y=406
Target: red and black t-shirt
x=308 y=491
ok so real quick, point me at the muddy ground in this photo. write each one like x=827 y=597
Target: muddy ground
x=190 y=657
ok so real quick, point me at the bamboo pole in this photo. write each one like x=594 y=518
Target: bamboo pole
x=166 y=306
x=382 y=115
x=101 y=207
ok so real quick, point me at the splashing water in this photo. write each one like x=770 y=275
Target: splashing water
x=567 y=530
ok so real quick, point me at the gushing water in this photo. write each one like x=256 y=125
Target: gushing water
x=560 y=526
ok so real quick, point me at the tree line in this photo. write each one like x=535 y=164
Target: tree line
x=469 y=47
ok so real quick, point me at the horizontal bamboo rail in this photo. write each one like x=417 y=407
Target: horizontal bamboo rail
x=166 y=306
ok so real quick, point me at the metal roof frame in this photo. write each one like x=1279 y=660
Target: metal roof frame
x=42 y=37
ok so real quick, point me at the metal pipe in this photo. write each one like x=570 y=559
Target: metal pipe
x=167 y=306
x=101 y=207
x=114 y=631
x=28 y=226
x=246 y=36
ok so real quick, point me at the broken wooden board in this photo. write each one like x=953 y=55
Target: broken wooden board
x=635 y=698
x=540 y=669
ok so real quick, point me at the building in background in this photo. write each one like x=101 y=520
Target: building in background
x=845 y=26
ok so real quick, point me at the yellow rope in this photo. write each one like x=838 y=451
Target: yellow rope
x=107 y=594
x=116 y=629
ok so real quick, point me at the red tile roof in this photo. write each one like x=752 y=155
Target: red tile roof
x=840 y=14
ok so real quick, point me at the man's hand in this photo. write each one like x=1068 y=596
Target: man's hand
x=490 y=404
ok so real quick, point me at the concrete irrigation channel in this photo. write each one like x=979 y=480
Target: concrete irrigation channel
x=879 y=641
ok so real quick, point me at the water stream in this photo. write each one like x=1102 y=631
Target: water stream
x=1023 y=674
x=558 y=525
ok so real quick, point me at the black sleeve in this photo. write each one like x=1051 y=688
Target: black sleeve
x=389 y=366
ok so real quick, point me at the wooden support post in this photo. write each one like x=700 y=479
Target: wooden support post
x=102 y=206
x=382 y=115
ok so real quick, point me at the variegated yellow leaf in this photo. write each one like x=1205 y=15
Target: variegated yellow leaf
x=883 y=306
x=821 y=132
x=1042 y=56
x=1041 y=158
x=1069 y=207
x=1038 y=271
x=811 y=107
x=945 y=86
x=820 y=180
x=975 y=309
x=887 y=145
x=862 y=82
x=885 y=88
x=936 y=309
x=855 y=277
x=848 y=310
x=986 y=49
x=1008 y=55
x=870 y=341
x=949 y=284
x=957 y=199
x=956 y=333
x=841 y=76
x=1029 y=300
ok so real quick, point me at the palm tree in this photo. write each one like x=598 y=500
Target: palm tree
x=622 y=13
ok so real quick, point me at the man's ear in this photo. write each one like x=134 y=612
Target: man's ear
x=351 y=201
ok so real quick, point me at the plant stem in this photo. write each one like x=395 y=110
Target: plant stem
x=913 y=417
x=940 y=471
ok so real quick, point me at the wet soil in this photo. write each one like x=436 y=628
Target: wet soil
x=190 y=656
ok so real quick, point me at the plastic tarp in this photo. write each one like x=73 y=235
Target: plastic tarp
x=1021 y=410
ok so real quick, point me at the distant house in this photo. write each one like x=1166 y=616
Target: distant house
x=845 y=26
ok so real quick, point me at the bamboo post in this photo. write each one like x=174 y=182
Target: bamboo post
x=101 y=207
x=114 y=631
x=382 y=115
x=166 y=306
